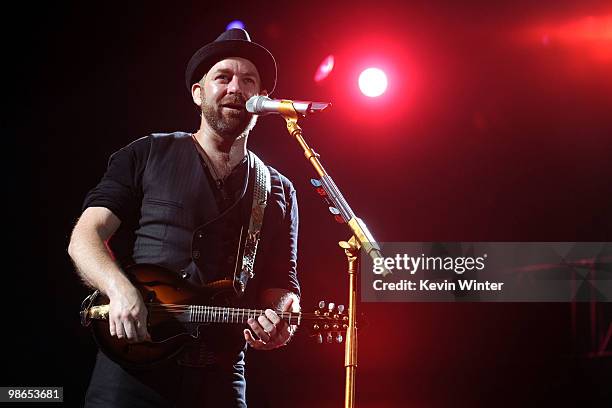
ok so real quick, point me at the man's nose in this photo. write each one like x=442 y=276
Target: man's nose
x=234 y=86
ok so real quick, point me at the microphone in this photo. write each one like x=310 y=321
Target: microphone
x=262 y=105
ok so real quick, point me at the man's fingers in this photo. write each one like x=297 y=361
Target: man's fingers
x=119 y=330
x=248 y=336
x=288 y=305
x=280 y=326
x=272 y=316
x=256 y=344
x=143 y=333
x=111 y=326
x=258 y=329
x=272 y=331
x=267 y=325
x=270 y=328
x=130 y=330
x=128 y=315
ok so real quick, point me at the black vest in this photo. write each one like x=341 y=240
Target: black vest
x=181 y=226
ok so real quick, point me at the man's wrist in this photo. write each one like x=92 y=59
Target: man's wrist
x=118 y=285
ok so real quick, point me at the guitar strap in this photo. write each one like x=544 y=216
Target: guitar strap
x=261 y=191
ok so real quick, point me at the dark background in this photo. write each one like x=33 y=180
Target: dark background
x=496 y=126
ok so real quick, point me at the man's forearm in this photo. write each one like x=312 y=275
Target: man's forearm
x=95 y=265
x=93 y=261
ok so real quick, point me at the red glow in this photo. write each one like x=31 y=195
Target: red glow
x=593 y=29
x=592 y=35
x=325 y=68
x=398 y=61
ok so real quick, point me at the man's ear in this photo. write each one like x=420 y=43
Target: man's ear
x=197 y=93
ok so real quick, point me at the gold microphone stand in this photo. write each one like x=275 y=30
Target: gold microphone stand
x=361 y=240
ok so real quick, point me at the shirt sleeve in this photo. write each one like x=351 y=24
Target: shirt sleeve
x=120 y=189
x=281 y=268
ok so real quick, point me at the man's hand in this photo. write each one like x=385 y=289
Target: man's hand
x=273 y=332
x=128 y=315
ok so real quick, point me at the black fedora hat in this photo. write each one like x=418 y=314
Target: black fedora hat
x=234 y=42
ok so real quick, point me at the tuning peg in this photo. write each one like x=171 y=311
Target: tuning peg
x=340 y=309
x=316 y=182
x=319 y=338
x=331 y=306
x=329 y=337
x=339 y=219
x=339 y=338
x=321 y=304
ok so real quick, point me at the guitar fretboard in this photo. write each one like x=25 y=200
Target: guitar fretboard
x=217 y=314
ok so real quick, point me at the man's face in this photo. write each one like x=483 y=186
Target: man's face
x=226 y=88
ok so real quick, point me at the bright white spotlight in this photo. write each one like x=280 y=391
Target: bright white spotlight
x=372 y=82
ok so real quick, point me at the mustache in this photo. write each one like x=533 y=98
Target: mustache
x=238 y=100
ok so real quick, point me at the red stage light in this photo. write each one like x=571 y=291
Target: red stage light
x=325 y=68
x=590 y=35
x=373 y=82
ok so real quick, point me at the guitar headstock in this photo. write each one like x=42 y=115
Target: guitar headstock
x=329 y=323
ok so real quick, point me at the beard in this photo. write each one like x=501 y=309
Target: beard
x=229 y=124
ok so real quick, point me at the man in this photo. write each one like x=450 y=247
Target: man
x=181 y=200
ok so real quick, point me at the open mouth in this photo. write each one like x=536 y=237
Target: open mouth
x=234 y=106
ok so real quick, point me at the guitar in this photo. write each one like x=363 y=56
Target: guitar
x=177 y=310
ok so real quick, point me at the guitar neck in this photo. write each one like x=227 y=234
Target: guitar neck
x=217 y=314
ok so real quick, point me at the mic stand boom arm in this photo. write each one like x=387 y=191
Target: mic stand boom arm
x=361 y=239
x=361 y=234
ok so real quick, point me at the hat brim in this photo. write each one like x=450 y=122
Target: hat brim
x=207 y=56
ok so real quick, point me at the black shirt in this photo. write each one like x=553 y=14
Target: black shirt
x=121 y=190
